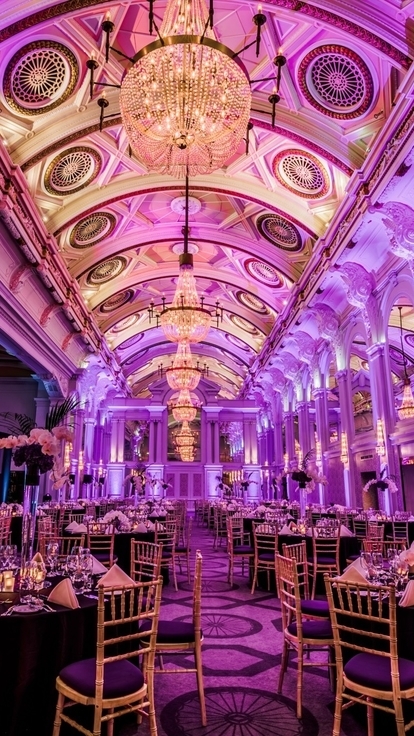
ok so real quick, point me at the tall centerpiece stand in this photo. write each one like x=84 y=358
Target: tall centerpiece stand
x=30 y=501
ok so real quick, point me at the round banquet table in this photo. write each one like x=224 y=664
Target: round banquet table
x=34 y=648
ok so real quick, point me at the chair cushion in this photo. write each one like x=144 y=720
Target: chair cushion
x=243 y=549
x=167 y=552
x=181 y=549
x=267 y=556
x=313 y=629
x=315 y=608
x=120 y=678
x=172 y=632
x=322 y=560
x=372 y=670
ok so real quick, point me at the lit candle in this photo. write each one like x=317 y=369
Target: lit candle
x=108 y=15
x=259 y=9
x=8 y=581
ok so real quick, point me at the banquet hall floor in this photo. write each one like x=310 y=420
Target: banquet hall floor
x=241 y=659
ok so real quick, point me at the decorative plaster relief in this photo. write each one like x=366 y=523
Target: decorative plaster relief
x=398 y=219
x=359 y=285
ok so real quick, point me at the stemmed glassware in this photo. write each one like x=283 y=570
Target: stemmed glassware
x=52 y=558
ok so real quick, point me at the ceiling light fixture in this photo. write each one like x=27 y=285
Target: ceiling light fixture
x=185 y=102
x=406 y=410
x=184 y=408
x=183 y=374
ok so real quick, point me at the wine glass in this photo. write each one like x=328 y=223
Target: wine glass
x=52 y=556
x=72 y=564
x=38 y=573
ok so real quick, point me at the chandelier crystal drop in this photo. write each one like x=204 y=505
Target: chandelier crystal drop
x=406 y=410
x=183 y=408
x=183 y=374
x=185 y=437
x=186 y=320
x=185 y=103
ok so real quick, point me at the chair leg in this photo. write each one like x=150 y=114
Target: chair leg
x=299 y=683
x=188 y=565
x=200 y=685
x=313 y=582
x=174 y=574
x=151 y=708
x=283 y=665
x=59 y=708
x=110 y=726
x=338 y=706
x=97 y=720
x=399 y=718
x=370 y=719
x=254 y=583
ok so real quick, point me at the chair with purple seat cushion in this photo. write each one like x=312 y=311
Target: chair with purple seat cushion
x=111 y=682
x=166 y=534
x=176 y=637
x=102 y=547
x=311 y=609
x=364 y=623
x=265 y=538
x=239 y=548
x=183 y=548
x=325 y=555
x=145 y=561
x=298 y=634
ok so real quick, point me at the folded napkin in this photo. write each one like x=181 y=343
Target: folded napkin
x=150 y=526
x=411 y=518
x=353 y=575
x=64 y=595
x=97 y=567
x=285 y=529
x=357 y=565
x=141 y=528
x=162 y=514
x=82 y=528
x=407 y=598
x=37 y=557
x=115 y=576
x=72 y=527
x=345 y=532
x=251 y=516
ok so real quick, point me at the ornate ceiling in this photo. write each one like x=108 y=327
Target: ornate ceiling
x=257 y=223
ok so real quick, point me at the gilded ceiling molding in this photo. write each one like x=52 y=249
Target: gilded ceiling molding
x=325 y=16
x=277 y=130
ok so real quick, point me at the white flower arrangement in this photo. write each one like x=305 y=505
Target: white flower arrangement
x=115 y=514
x=392 y=487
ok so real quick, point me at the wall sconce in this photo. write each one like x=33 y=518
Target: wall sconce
x=380 y=446
x=344 y=449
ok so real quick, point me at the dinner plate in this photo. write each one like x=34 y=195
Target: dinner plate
x=27 y=608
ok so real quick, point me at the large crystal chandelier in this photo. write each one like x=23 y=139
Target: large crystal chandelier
x=184 y=409
x=187 y=320
x=185 y=102
x=185 y=437
x=183 y=374
x=406 y=410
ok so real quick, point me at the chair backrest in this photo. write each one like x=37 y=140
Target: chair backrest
x=102 y=544
x=363 y=619
x=77 y=518
x=399 y=530
x=186 y=538
x=166 y=534
x=90 y=510
x=47 y=524
x=145 y=561
x=66 y=544
x=198 y=570
x=5 y=524
x=375 y=530
x=120 y=633
x=235 y=533
x=298 y=552
x=289 y=592
x=97 y=527
x=265 y=538
x=360 y=528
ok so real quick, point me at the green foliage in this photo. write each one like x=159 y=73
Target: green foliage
x=57 y=414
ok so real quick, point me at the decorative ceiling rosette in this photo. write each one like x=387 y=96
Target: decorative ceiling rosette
x=263 y=272
x=243 y=324
x=252 y=302
x=124 y=324
x=237 y=342
x=106 y=271
x=336 y=81
x=39 y=77
x=116 y=301
x=72 y=170
x=279 y=231
x=130 y=342
x=92 y=229
x=301 y=173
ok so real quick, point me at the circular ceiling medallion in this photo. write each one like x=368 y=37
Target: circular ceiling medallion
x=130 y=342
x=263 y=272
x=92 y=229
x=251 y=302
x=232 y=357
x=72 y=170
x=243 y=324
x=123 y=324
x=178 y=248
x=336 y=81
x=237 y=342
x=280 y=232
x=397 y=356
x=40 y=77
x=106 y=270
x=301 y=173
x=117 y=300
x=409 y=339
x=135 y=357
x=178 y=205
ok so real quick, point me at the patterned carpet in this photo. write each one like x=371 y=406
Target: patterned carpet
x=241 y=657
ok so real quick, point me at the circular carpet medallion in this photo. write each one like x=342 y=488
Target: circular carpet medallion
x=211 y=586
x=237 y=711
x=225 y=625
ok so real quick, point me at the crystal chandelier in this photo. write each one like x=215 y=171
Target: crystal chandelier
x=406 y=410
x=183 y=374
x=187 y=320
x=185 y=102
x=184 y=409
x=185 y=437
x=187 y=455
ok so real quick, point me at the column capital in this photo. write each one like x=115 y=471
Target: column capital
x=342 y=375
x=377 y=350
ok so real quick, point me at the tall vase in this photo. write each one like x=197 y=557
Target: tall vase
x=303 y=501
x=30 y=500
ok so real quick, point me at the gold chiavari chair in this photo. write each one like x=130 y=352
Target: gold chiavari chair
x=220 y=525
x=311 y=608
x=265 y=540
x=166 y=534
x=239 y=547
x=145 y=561
x=176 y=637
x=325 y=555
x=102 y=548
x=77 y=518
x=399 y=530
x=183 y=548
x=364 y=623
x=5 y=529
x=111 y=682
x=66 y=544
x=298 y=634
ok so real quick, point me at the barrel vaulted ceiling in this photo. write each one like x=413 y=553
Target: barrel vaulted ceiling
x=253 y=224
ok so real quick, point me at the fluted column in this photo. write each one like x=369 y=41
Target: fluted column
x=120 y=439
x=347 y=426
x=79 y=416
x=303 y=424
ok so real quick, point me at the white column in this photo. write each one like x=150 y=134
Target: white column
x=347 y=426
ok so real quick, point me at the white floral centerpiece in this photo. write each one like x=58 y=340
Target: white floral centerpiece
x=381 y=485
x=117 y=519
